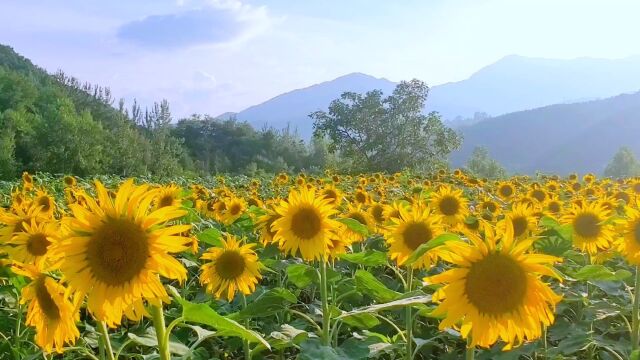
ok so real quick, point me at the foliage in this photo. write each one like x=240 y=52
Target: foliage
x=483 y=166
x=623 y=164
x=391 y=133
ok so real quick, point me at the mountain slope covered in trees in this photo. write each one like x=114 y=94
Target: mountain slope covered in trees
x=563 y=138
x=511 y=84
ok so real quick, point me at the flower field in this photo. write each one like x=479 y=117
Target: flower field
x=383 y=266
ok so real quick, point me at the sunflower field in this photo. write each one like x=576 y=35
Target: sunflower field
x=382 y=266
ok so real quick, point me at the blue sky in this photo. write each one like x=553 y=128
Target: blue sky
x=212 y=56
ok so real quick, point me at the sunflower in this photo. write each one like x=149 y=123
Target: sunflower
x=361 y=197
x=234 y=208
x=414 y=227
x=49 y=310
x=14 y=221
x=305 y=224
x=393 y=210
x=538 y=194
x=46 y=203
x=115 y=250
x=553 y=206
x=629 y=245
x=590 y=232
x=505 y=190
x=264 y=225
x=31 y=245
x=70 y=181
x=357 y=213
x=495 y=291
x=450 y=204
x=522 y=220
x=333 y=194
x=27 y=181
x=169 y=195
x=376 y=211
x=231 y=267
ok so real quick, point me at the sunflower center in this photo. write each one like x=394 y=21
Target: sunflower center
x=449 y=205
x=520 y=225
x=230 y=265
x=166 y=200
x=306 y=223
x=234 y=209
x=45 y=301
x=45 y=203
x=636 y=188
x=361 y=197
x=538 y=195
x=416 y=234
x=506 y=191
x=378 y=213
x=117 y=251
x=554 y=207
x=330 y=194
x=491 y=206
x=19 y=226
x=587 y=225
x=496 y=284
x=37 y=244
x=621 y=195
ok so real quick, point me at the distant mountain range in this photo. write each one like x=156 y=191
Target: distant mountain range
x=563 y=138
x=511 y=84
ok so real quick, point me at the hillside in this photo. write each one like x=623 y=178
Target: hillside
x=511 y=84
x=563 y=138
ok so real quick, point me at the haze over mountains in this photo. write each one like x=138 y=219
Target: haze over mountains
x=511 y=84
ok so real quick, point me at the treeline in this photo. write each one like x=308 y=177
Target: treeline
x=56 y=124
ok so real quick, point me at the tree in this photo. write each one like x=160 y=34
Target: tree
x=482 y=165
x=386 y=134
x=623 y=164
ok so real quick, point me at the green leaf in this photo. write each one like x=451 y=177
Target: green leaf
x=362 y=321
x=366 y=258
x=288 y=336
x=355 y=225
x=350 y=349
x=149 y=339
x=600 y=273
x=416 y=300
x=267 y=304
x=370 y=285
x=204 y=314
x=635 y=355
x=302 y=275
x=422 y=249
x=211 y=237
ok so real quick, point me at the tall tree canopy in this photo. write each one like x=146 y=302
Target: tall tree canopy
x=386 y=133
x=623 y=164
x=482 y=165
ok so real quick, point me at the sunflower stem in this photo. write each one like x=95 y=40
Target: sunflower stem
x=105 y=339
x=245 y=342
x=471 y=350
x=409 y=317
x=326 y=315
x=161 y=332
x=635 y=324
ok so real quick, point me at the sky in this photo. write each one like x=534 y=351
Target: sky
x=214 y=56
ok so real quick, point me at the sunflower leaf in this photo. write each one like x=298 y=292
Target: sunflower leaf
x=355 y=225
x=266 y=304
x=302 y=275
x=370 y=285
x=416 y=300
x=429 y=245
x=366 y=258
x=211 y=237
x=204 y=314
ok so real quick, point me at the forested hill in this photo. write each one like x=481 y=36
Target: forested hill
x=580 y=137
x=54 y=123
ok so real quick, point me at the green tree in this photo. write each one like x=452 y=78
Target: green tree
x=482 y=165
x=386 y=134
x=623 y=164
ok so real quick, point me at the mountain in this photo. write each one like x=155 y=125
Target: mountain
x=511 y=84
x=564 y=138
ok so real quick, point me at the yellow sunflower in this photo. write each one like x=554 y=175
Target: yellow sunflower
x=522 y=220
x=590 y=232
x=356 y=212
x=376 y=211
x=234 y=208
x=50 y=311
x=31 y=245
x=169 y=195
x=231 y=267
x=115 y=250
x=495 y=291
x=305 y=224
x=46 y=203
x=70 y=181
x=333 y=194
x=450 y=204
x=14 y=221
x=414 y=227
x=505 y=190
x=629 y=245
x=264 y=225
